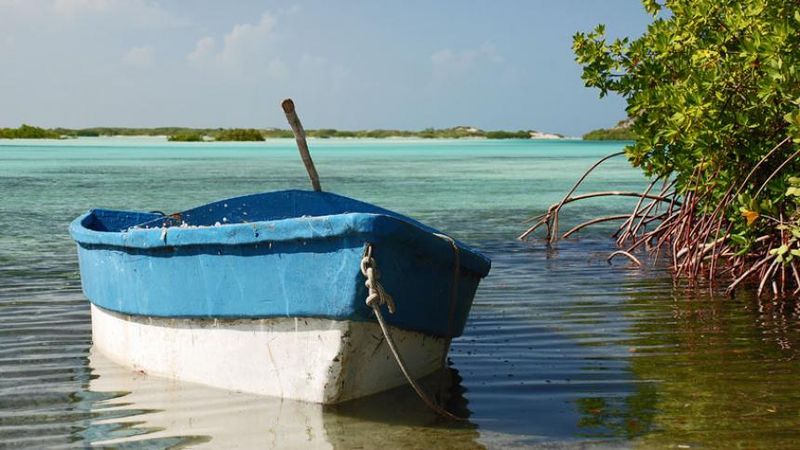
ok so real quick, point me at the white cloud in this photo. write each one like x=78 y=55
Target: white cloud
x=140 y=57
x=244 y=38
x=203 y=51
x=246 y=44
x=447 y=63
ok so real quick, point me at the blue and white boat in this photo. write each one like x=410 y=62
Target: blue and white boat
x=265 y=293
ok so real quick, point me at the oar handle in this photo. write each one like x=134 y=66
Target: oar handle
x=302 y=145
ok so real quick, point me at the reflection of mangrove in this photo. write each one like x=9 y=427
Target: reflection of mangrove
x=615 y=414
x=726 y=370
x=163 y=413
x=630 y=417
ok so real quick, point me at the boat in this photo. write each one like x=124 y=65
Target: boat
x=265 y=294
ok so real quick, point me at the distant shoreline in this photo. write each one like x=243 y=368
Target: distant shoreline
x=621 y=132
x=165 y=139
x=182 y=134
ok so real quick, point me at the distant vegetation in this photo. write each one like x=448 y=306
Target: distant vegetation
x=184 y=136
x=120 y=131
x=84 y=133
x=27 y=132
x=508 y=134
x=181 y=134
x=609 y=134
x=239 y=134
x=621 y=132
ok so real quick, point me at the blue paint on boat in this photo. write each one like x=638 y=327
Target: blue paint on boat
x=278 y=254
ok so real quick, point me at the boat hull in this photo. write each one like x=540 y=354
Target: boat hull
x=310 y=359
x=264 y=293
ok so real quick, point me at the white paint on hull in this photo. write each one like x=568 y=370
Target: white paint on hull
x=309 y=359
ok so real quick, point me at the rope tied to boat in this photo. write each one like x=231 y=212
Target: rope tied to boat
x=378 y=296
x=453 y=292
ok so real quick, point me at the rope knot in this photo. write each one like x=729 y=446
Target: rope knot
x=376 y=295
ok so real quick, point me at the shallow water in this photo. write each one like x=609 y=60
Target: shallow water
x=561 y=350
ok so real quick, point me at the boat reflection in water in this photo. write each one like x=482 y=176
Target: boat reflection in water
x=160 y=412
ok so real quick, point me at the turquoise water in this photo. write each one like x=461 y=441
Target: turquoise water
x=561 y=350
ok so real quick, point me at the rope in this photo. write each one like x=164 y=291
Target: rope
x=378 y=296
x=453 y=292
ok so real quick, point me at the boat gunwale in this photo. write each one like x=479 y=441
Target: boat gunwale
x=371 y=227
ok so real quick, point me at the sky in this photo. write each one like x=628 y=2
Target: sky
x=347 y=64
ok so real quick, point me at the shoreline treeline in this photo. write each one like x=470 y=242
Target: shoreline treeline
x=185 y=134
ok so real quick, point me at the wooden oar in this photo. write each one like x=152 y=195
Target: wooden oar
x=302 y=145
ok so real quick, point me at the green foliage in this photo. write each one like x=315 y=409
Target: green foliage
x=66 y=132
x=790 y=248
x=325 y=133
x=186 y=136
x=521 y=134
x=609 y=134
x=428 y=133
x=345 y=134
x=239 y=134
x=711 y=88
x=28 y=132
x=121 y=131
x=87 y=133
x=275 y=133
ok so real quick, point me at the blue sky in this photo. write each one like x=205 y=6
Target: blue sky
x=348 y=64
